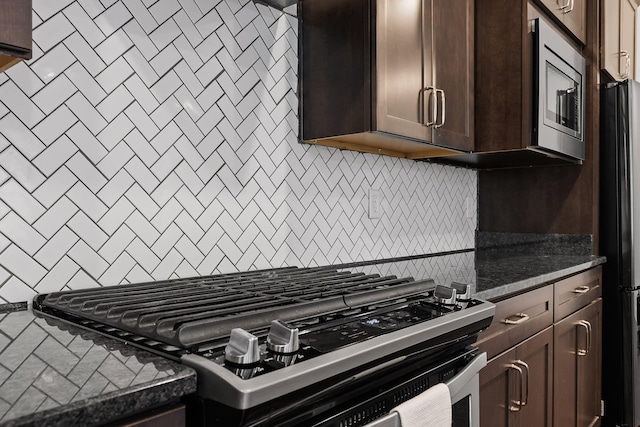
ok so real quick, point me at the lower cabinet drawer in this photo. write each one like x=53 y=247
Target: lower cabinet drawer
x=516 y=319
x=575 y=292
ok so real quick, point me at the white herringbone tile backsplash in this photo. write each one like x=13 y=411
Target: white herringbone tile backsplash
x=150 y=139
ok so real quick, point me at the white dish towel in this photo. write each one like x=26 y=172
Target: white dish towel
x=431 y=408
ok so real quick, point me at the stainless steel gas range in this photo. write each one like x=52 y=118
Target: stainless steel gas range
x=297 y=346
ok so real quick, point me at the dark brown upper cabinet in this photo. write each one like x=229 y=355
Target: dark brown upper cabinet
x=618 y=33
x=572 y=14
x=388 y=76
x=504 y=62
x=15 y=32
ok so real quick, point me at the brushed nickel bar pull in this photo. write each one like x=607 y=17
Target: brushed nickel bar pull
x=587 y=327
x=443 y=114
x=565 y=6
x=526 y=388
x=625 y=54
x=522 y=318
x=432 y=91
x=581 y=290
x=516 y=405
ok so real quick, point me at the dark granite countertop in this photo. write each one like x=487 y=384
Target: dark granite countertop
x=506 y=274
x=502 y=264
x=54 y=374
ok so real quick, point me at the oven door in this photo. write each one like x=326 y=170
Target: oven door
x=464 y=390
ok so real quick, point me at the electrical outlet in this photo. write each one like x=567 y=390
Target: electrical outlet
x=469 y=207
x=374 y=203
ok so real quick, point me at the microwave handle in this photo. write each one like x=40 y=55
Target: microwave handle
x=455 y=384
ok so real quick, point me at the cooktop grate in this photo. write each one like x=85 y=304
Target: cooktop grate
x=189 y=312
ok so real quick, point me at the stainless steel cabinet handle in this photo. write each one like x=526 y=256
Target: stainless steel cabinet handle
x=565 y=6
x=581 y=290
x=526 y=376
x=516 y=405
x=433 y=95
x=625 y=54
x=522 y=318
x=443 y=114
x=587 y=327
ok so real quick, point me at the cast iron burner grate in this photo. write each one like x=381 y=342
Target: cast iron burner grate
x=193 y=311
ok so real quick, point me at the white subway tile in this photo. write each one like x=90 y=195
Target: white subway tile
x=143 y=255
x=88 y=259
x=85 y=54
x=54 y=94
x=56 y=248
x=142 y=94
x=58 y=276
x=115 y=160
x=82 y=281
x=116 y=216
x=115 y=103
x=55 y=124
x=85 y=83
x=140 y=37
x=20 y=201
x=86 y=142
x=113 y=18
x=20 y=104
x=116 y=244
x=14 y=290
x=116 y=131
x=168 y=265
x=144 y=151
x=115 y=188
x=141 y=66
x=87 y=201
x=142 y=121
x=114 y=46
x=165 y=34
x=167 y=188
x=187 y=27
x=55 y=187
x=47 y=8
x=21 y=234
x=52 y=32
x=21 y=169
x=87 y=113
x=84 y=24
x=118 y=270
x=142 y=201
x=144 y=230
x=20 y=264
x=24 y=78
x=166 y=86
x=167 y=214
x=86 y=172
x=114 y=75
x=55 y=217
x=167 y=240
x=142 y=175
x=164 y=9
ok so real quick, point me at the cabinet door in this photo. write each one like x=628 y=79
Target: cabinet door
x=577 y=361
x=626 y=57
x=537 y=353
x=516 y=386
x=498 y=389
x=453 y=53
x=575 y=18
x=403 y=68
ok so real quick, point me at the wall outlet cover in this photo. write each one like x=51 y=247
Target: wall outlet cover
x=374 y=203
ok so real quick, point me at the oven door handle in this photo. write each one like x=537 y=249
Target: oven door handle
x=457 y=385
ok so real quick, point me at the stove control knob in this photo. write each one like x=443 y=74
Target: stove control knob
x=445 y=295
x=242 y=348
x=282 y=338
x=463 y=291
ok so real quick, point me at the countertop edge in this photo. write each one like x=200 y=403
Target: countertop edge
x=523 y=285
x=114 y=405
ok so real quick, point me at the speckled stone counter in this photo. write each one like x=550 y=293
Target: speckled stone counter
x=54 y=374
x=502 y=264
x=505 y=274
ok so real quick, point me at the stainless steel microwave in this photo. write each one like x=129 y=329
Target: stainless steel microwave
x=558 y=94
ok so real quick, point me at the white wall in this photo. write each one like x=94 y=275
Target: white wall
x=150 y=139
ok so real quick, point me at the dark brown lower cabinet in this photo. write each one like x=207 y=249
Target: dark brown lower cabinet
x=578 y=355
x=516 y=386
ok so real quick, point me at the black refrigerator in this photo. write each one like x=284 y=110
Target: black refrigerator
x=620 y=243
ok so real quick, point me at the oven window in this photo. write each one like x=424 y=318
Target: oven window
x=562 y=98
x=461 y=413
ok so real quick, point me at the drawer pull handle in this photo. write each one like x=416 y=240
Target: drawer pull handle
x=516 y=405
x=522 y=318
x=587 y=328
x=581 y=290
x=526 y=382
